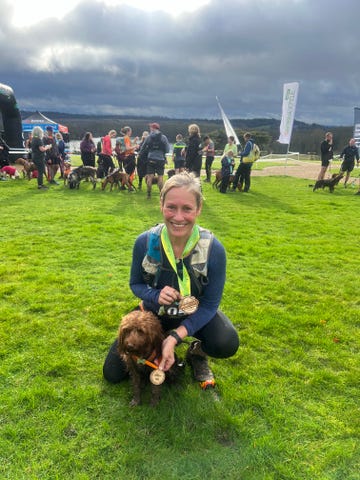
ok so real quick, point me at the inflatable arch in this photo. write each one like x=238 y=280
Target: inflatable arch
x=11 y=118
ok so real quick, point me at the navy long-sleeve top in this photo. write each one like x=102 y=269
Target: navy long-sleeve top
x=209 y=298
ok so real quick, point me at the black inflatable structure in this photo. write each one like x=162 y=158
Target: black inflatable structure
x=12 y=134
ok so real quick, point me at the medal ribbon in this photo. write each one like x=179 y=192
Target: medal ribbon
x=184 y=282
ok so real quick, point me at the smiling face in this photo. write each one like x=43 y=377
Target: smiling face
x=180 y=211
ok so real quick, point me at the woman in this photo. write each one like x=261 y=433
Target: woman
x=231 y=146
x=129 y=160
x=193 y=157
x=181 y=280
x=38 y=150
x=87 y=150
x=105 y=161
x=52 y=155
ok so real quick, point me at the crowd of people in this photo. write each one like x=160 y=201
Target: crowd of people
x=146 y=156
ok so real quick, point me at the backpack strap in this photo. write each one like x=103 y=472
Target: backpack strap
x=153 y=261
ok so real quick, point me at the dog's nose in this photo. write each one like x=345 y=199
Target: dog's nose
x=130 y=348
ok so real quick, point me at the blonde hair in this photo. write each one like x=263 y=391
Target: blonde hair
x=193 y=128
x=183 y=180
x=37 y=132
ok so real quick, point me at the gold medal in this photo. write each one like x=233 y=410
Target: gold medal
x=157 y=377
x=189 y=304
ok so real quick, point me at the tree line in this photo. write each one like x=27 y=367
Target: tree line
x=306 y=138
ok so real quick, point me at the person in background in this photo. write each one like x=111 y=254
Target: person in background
x=178 y=155
x=120 y=152
x=209 y=151
x=231 y=145
x=193 y=157
x=4 y=153
x=129 y=154
x=142 y=159
x=173 y=249
x=87 y=150
x=106 y=164
x=227 y=167
x=243 y=171
x=61 y=152
x=326 y=154
x=349 y=153
x=52 y=155
x=38 y=150
x=156 y=146
x=28 y=146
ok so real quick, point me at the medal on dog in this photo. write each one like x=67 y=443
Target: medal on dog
x=157 y=377
x=189 y=304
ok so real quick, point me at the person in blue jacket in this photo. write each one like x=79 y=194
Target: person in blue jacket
x=349 y=153
x=243 y=171
x=177 y=265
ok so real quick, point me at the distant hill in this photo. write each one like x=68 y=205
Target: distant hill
x=305 y=137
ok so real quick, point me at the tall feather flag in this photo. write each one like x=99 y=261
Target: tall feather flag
x=290 y=94
x=228 y=127
x=357 y=126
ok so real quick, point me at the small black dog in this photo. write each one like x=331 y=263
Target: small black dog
x=82 y=173
x=329 y=182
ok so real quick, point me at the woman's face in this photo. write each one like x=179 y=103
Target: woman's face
x=180 y=212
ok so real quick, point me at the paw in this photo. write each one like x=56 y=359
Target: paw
x=135 y=402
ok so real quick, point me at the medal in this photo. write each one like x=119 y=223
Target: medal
x=189 y=304
x=157 y=377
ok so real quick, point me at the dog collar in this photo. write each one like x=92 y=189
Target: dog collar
x=144 y=361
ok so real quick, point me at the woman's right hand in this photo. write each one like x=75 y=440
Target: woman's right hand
x=168 y=295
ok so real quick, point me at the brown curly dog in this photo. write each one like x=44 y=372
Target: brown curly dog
x=140 y=338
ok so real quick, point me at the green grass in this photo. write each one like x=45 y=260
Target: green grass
x=287 y=405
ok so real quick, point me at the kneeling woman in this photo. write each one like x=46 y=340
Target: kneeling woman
x=178 y=272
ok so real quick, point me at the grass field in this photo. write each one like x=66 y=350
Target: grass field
x=287 y=404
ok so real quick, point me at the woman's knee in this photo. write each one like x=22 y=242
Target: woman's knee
x=219 y=338
x=114 y=369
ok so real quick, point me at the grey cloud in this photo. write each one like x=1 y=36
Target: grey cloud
x=119 y=59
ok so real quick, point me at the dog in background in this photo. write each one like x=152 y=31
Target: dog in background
x=140 y=337
x=82 y=173
x=218 y=178
x=329 y=182
x=67 y=171
x=9 y=171
x=119 y=179
x=28 y=167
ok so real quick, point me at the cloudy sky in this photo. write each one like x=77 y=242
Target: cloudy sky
x=172 y=58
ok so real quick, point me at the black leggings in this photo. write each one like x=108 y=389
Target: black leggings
x=219 y=339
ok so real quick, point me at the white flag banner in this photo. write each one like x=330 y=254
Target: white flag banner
x=290 y=95
x=230 y=132
x=357 y=126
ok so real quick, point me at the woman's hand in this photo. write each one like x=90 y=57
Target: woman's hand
x=168 y=348
x=168 y=295
x=168 y=355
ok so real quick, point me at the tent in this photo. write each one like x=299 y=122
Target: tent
x=39 y=120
